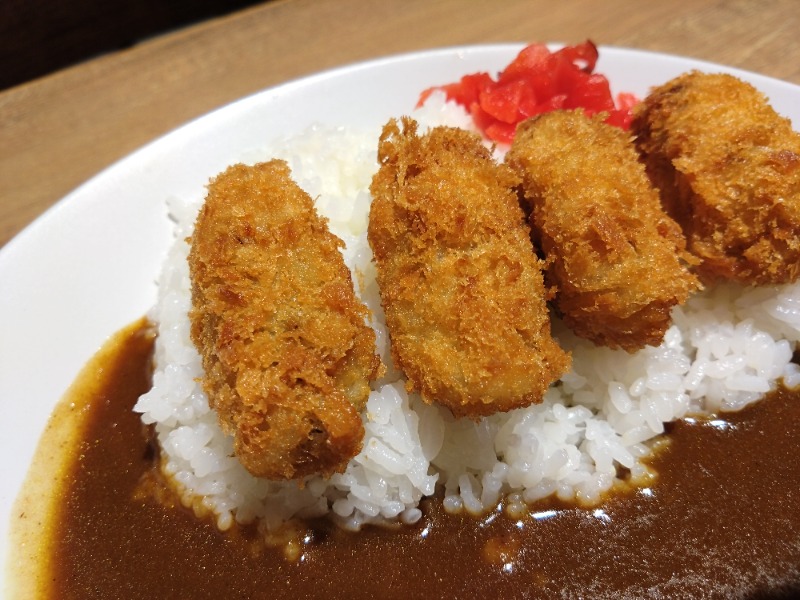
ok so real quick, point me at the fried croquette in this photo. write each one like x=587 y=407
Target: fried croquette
x=287 y=355
x=460 y=284
x=728 y=167
x=614 y=256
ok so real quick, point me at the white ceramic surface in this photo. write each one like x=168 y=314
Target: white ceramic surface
x=87 y=267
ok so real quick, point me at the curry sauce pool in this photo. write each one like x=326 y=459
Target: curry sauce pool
x=721 y=520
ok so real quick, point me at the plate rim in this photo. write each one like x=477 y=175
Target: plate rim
x=334 y=72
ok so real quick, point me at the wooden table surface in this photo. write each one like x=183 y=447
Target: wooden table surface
x=59 y=131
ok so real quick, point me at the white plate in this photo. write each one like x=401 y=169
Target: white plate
x=87 y=267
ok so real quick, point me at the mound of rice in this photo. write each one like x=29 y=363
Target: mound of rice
x=726 y=348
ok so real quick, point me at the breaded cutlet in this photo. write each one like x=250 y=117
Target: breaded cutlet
x=617 y=260
x=459 y=280
x=728 y=167
x=287 y=353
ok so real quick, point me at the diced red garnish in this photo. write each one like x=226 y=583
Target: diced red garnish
x=465 y=91
x=585 y=52
x=626 y=101
x=501 y=132
x=537 y=81
x=531 y=59
x=508 y=101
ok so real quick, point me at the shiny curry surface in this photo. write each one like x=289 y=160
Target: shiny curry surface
x=722 y=519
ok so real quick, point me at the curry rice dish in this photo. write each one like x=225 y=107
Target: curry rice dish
x=726 y=347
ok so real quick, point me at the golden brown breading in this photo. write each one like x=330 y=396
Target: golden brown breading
x=614 y=255
x=728 y=167
x=286 y=351
x=459 y=281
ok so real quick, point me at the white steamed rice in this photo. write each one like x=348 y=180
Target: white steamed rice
x=726 y=348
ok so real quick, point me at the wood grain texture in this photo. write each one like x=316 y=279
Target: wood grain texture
x=59 y=131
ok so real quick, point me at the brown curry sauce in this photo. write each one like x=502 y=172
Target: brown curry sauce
x=722 y=519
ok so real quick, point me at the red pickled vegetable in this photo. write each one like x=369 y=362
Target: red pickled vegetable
x=537 y=81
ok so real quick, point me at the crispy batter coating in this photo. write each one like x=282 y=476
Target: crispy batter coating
x=460 y=284
x=728 y=167
x=286 y=352
x=614 y=255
